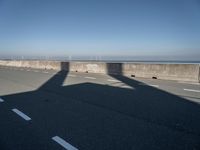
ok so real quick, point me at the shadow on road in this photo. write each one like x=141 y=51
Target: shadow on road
x=103 y=117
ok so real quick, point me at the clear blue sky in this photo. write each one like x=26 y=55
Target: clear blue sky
x=100 y=27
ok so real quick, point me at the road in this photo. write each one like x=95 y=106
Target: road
x=46 y=109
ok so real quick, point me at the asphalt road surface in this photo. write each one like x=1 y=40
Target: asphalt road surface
x=49 y=110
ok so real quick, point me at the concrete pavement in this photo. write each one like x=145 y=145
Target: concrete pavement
x=96 y=111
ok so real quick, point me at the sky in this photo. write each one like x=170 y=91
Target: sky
x=156 y=29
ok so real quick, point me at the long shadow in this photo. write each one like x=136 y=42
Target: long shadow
x=57 y=80
x=103 y=117
x=158 y=106
x=20 y=135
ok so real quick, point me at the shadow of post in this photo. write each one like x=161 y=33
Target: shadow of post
x=57 y=80
x=157 y=106
x=114 y=68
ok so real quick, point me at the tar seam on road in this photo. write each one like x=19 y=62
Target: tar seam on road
x=1 y=100
x=191 y=90
x=90 y=78
x=21 y=114
x=63 y=143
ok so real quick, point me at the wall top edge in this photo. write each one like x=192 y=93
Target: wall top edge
x=149 y=63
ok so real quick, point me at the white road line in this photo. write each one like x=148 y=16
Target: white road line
x=36 y=71
x=153 y=85
x=21 y=114
x=72 y=75
x=111 y=80
x=192 y=90
x=189 y=83
x=1 y=100
x=90 y=78
x=126 y=86
x=27 y=70
x=63 y=143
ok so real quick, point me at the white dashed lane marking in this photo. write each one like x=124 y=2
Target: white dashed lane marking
x=111 y=80
x=126 y=86
x=72 y=75
x=154 y=85
x=1 y=100
x=21 y=114
x=192 y=90
x=63 y=143
x=90 y=78
x=189 y=83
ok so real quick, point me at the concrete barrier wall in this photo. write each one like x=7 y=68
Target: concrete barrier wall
x=56 y=65
x=183 y=72
x=93 y=67
x=186 y=72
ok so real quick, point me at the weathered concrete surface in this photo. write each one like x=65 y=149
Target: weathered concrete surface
x=183 y=72
x=56 y=65
x=93 y=67
x=186 y=72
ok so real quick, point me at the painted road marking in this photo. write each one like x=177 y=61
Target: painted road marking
x=36 y=71
x=111 y=80
x=153 y=85
x=63 y=143
x=192 y=90
x=189 y=83
x=21 y=114
x=72 y=75
x=1 y=100
x=144 y=84
x=90 y=78
x=126 y=86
